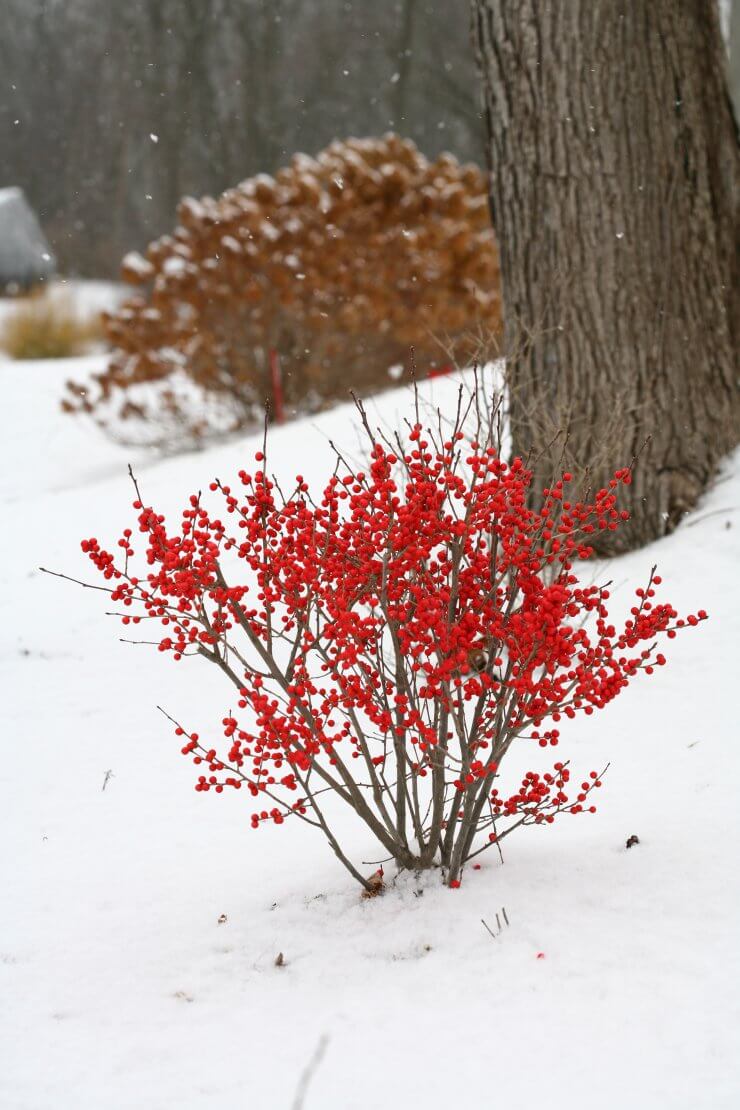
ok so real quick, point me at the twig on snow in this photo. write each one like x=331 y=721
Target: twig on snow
x=309 y=1071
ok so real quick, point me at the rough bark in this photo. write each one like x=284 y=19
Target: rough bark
x=614 y=169
x=733 y=48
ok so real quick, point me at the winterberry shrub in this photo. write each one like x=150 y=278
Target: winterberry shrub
x=391 y=638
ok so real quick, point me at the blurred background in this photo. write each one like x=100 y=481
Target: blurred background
x=294 y=192
x=112 y=112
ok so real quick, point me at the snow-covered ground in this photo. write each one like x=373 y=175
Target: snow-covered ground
x=87 y=297
x=615 y=984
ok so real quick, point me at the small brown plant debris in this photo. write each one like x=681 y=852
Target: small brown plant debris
x=375 y=885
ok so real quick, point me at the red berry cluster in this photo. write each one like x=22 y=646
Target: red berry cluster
x=418 y=618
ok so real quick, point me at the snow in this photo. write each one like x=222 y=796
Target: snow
x=136 y=264
x=85 y=298
x=615 y=983
x=10 y=195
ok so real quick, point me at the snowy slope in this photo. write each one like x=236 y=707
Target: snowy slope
x=86 y=297
x=616 y=983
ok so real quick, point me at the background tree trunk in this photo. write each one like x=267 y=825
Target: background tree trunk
x=614 y=171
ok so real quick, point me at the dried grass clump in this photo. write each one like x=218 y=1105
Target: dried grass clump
x=48 y=326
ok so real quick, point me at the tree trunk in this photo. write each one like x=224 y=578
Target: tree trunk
x=613 y=164
x=733 y=49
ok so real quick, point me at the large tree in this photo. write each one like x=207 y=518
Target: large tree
x=613 y=160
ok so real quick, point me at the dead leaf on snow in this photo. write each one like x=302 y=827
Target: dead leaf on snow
x=375 y=885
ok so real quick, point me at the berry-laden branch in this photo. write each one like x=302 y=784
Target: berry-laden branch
x=391 y=639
